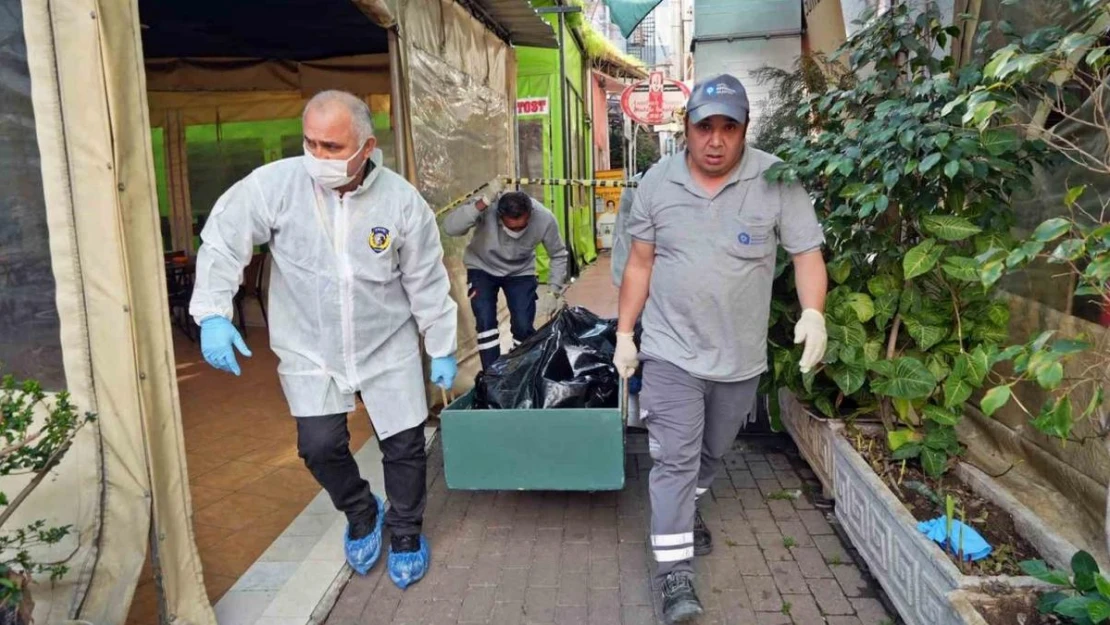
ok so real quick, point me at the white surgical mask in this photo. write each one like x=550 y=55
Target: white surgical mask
x=512 y=233
x=330 y=173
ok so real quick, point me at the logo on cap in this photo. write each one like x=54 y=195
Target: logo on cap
x=722 y=89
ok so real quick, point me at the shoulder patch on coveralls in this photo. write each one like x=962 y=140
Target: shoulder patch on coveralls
x=379 y=239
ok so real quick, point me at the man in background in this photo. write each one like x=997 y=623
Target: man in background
x=501 y=256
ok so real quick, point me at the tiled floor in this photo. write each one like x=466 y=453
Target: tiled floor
x=246 y=480
x=561 y=558
x=515 y=558
x=304 y=566
x=594 y=290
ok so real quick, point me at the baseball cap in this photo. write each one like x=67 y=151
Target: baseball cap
x=718 y=95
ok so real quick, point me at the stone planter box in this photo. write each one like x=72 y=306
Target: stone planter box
x=813 y=434
x=917 y=575
x=1000 y=606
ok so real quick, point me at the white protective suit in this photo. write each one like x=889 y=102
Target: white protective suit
x=354 y=282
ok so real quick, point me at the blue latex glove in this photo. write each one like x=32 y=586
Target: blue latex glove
x=975 y=547
x=217 y=336
x=444 y=370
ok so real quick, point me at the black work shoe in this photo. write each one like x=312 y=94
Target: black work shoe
x=680 y=602
x=703 y=540
x=405 y=544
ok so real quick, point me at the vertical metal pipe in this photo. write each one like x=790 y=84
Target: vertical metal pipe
x=566 y=127
x=397 y=104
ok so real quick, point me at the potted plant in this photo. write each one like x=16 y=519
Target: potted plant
x=36 y=434
x=910 y=198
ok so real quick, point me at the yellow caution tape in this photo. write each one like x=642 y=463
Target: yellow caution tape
x=458 y=201
x=571 y=182
x=545 y=182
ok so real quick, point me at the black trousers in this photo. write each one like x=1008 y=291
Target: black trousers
x=520 y=294
x=324 y=445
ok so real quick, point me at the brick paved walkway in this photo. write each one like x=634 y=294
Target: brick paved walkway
x=581 y=558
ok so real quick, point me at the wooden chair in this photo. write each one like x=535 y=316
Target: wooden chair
x=179 y=285
x=253 y=282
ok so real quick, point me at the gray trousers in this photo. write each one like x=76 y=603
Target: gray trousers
x=691 y=424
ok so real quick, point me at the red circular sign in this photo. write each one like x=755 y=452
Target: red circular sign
x=654 y=101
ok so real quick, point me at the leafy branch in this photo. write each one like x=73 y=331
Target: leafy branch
x=37 y=434
x=1065 y=73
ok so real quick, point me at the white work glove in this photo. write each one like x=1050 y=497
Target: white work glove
x=557 y=293
x=811 y=329
x=550 y=302
x=492 y=192
x=625 y=358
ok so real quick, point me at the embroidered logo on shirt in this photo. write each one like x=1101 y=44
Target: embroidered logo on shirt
x=379 y=239
x=747 y=238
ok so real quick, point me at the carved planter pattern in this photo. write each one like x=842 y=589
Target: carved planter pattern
x=916 y=574
x=814 y=437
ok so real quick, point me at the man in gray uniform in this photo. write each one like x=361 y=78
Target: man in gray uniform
x=705 y=225
x=502 y=256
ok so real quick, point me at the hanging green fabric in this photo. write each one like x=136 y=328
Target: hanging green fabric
x=627 y=14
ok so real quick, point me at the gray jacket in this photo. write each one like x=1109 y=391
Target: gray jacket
x=622 y=241
x=496 y=253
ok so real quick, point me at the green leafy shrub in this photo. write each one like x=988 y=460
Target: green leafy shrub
x=1054 y=86
x=909 y=197
x=1084 y=598
x=36 y=435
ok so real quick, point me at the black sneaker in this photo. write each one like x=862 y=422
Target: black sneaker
x=405 y=544
x=680 y=602
x=703 y=540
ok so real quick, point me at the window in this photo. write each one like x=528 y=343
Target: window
x=158 y=149
x=1051 y=284
x=30 y=343
x=530 y=146
x=216 y=163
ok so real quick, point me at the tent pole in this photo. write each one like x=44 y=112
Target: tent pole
x=397 y=104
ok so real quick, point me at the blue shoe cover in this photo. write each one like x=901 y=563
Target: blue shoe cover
x=364 y=552
x=405 y=569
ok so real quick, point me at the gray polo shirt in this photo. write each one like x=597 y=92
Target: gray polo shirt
x=710 y=295
x=498 y=254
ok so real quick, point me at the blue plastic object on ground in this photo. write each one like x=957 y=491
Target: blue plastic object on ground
x=405 y=569
x=974 y=546
x=364 y=552
x=217 y=336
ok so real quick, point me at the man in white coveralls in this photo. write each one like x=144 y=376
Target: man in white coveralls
x=357 y=278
